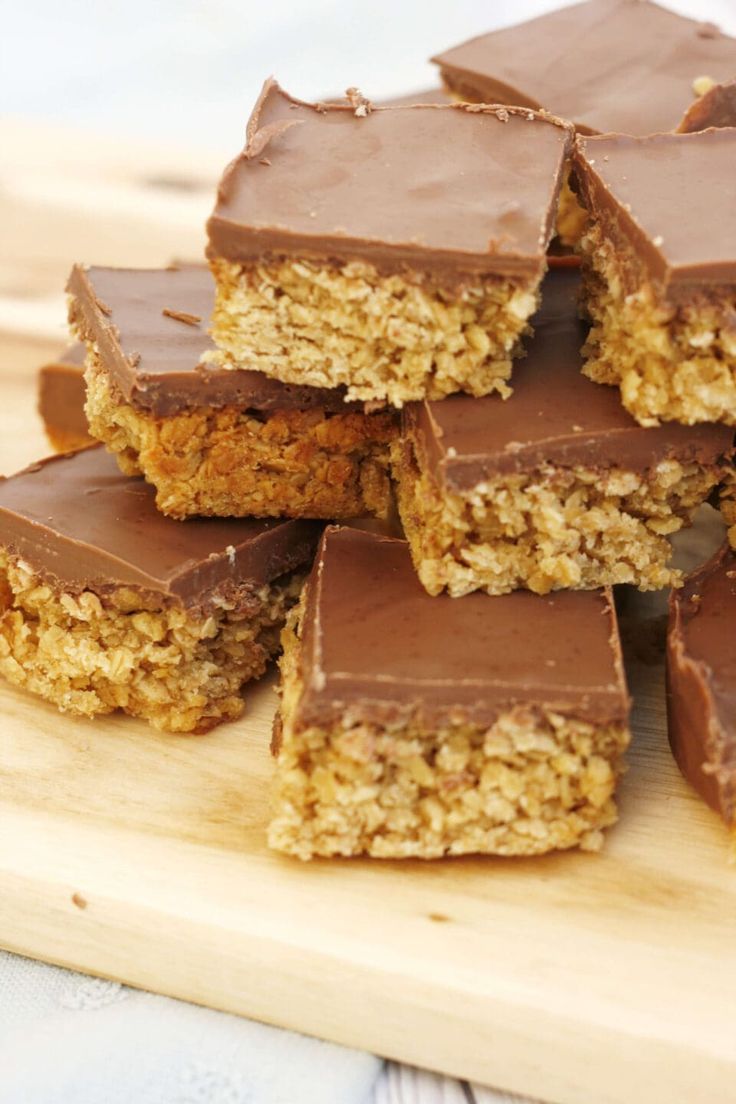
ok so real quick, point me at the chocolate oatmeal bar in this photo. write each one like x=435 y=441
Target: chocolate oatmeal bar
x=394 y=251
x=701 y=680
x=416 y=727
x=659 y=259
x=625 y=66
x=106 y=604
x=61 y=395
x=557 y=486
x=216 y=442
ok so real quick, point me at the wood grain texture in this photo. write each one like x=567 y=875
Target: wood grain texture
x=573 y=978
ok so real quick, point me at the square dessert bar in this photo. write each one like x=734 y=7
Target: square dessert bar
x=555 y=487
x=61 y=400
x=659 y=258
x=213 y=441
x=106 y=604
x=627 y=66
x=395 y=251
x=701 y=678
x=413 y=726
x=624 y=66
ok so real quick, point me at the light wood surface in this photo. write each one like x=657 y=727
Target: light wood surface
x=574 y=978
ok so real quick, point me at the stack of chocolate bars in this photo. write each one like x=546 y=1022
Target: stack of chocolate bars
x=396 y=307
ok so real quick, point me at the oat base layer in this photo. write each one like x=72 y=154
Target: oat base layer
x=553 y=529
x=391 y=338
x=534 y=782
x=235 y=463
x=672 y=363
x=180 y=671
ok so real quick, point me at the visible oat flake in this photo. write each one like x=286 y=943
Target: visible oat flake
x=360 y=105
x=182 y=316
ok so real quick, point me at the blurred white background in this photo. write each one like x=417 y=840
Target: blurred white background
x=188 y=71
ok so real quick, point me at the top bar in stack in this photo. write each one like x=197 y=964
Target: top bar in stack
x=607 y=65
x=659 y=261
x=395 y=251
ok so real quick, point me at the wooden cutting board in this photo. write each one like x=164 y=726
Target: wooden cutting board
x=574 y=978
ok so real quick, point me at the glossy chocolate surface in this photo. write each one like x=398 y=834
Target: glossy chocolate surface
x=607 y=65
x=716 y=108
x=61 y=392
x=155 y=358
x=701 y=681
x=81 y=523
x=671 y=196
x=556 y=415
x=377 y=648
x=450 y=190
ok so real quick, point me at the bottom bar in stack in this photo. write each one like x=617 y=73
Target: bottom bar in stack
x=61 y=400
x=701 y=675
x=413 y=726
x=105 y=604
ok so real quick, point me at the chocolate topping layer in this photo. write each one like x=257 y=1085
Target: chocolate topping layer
x=450 y=190
x=554 y=416
x=701 y=681
x=79 y=522
x=61 y=392
x=378 y=648
x=715 y=108
x=150 y=326
x=672 y=196
x=607 y=65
